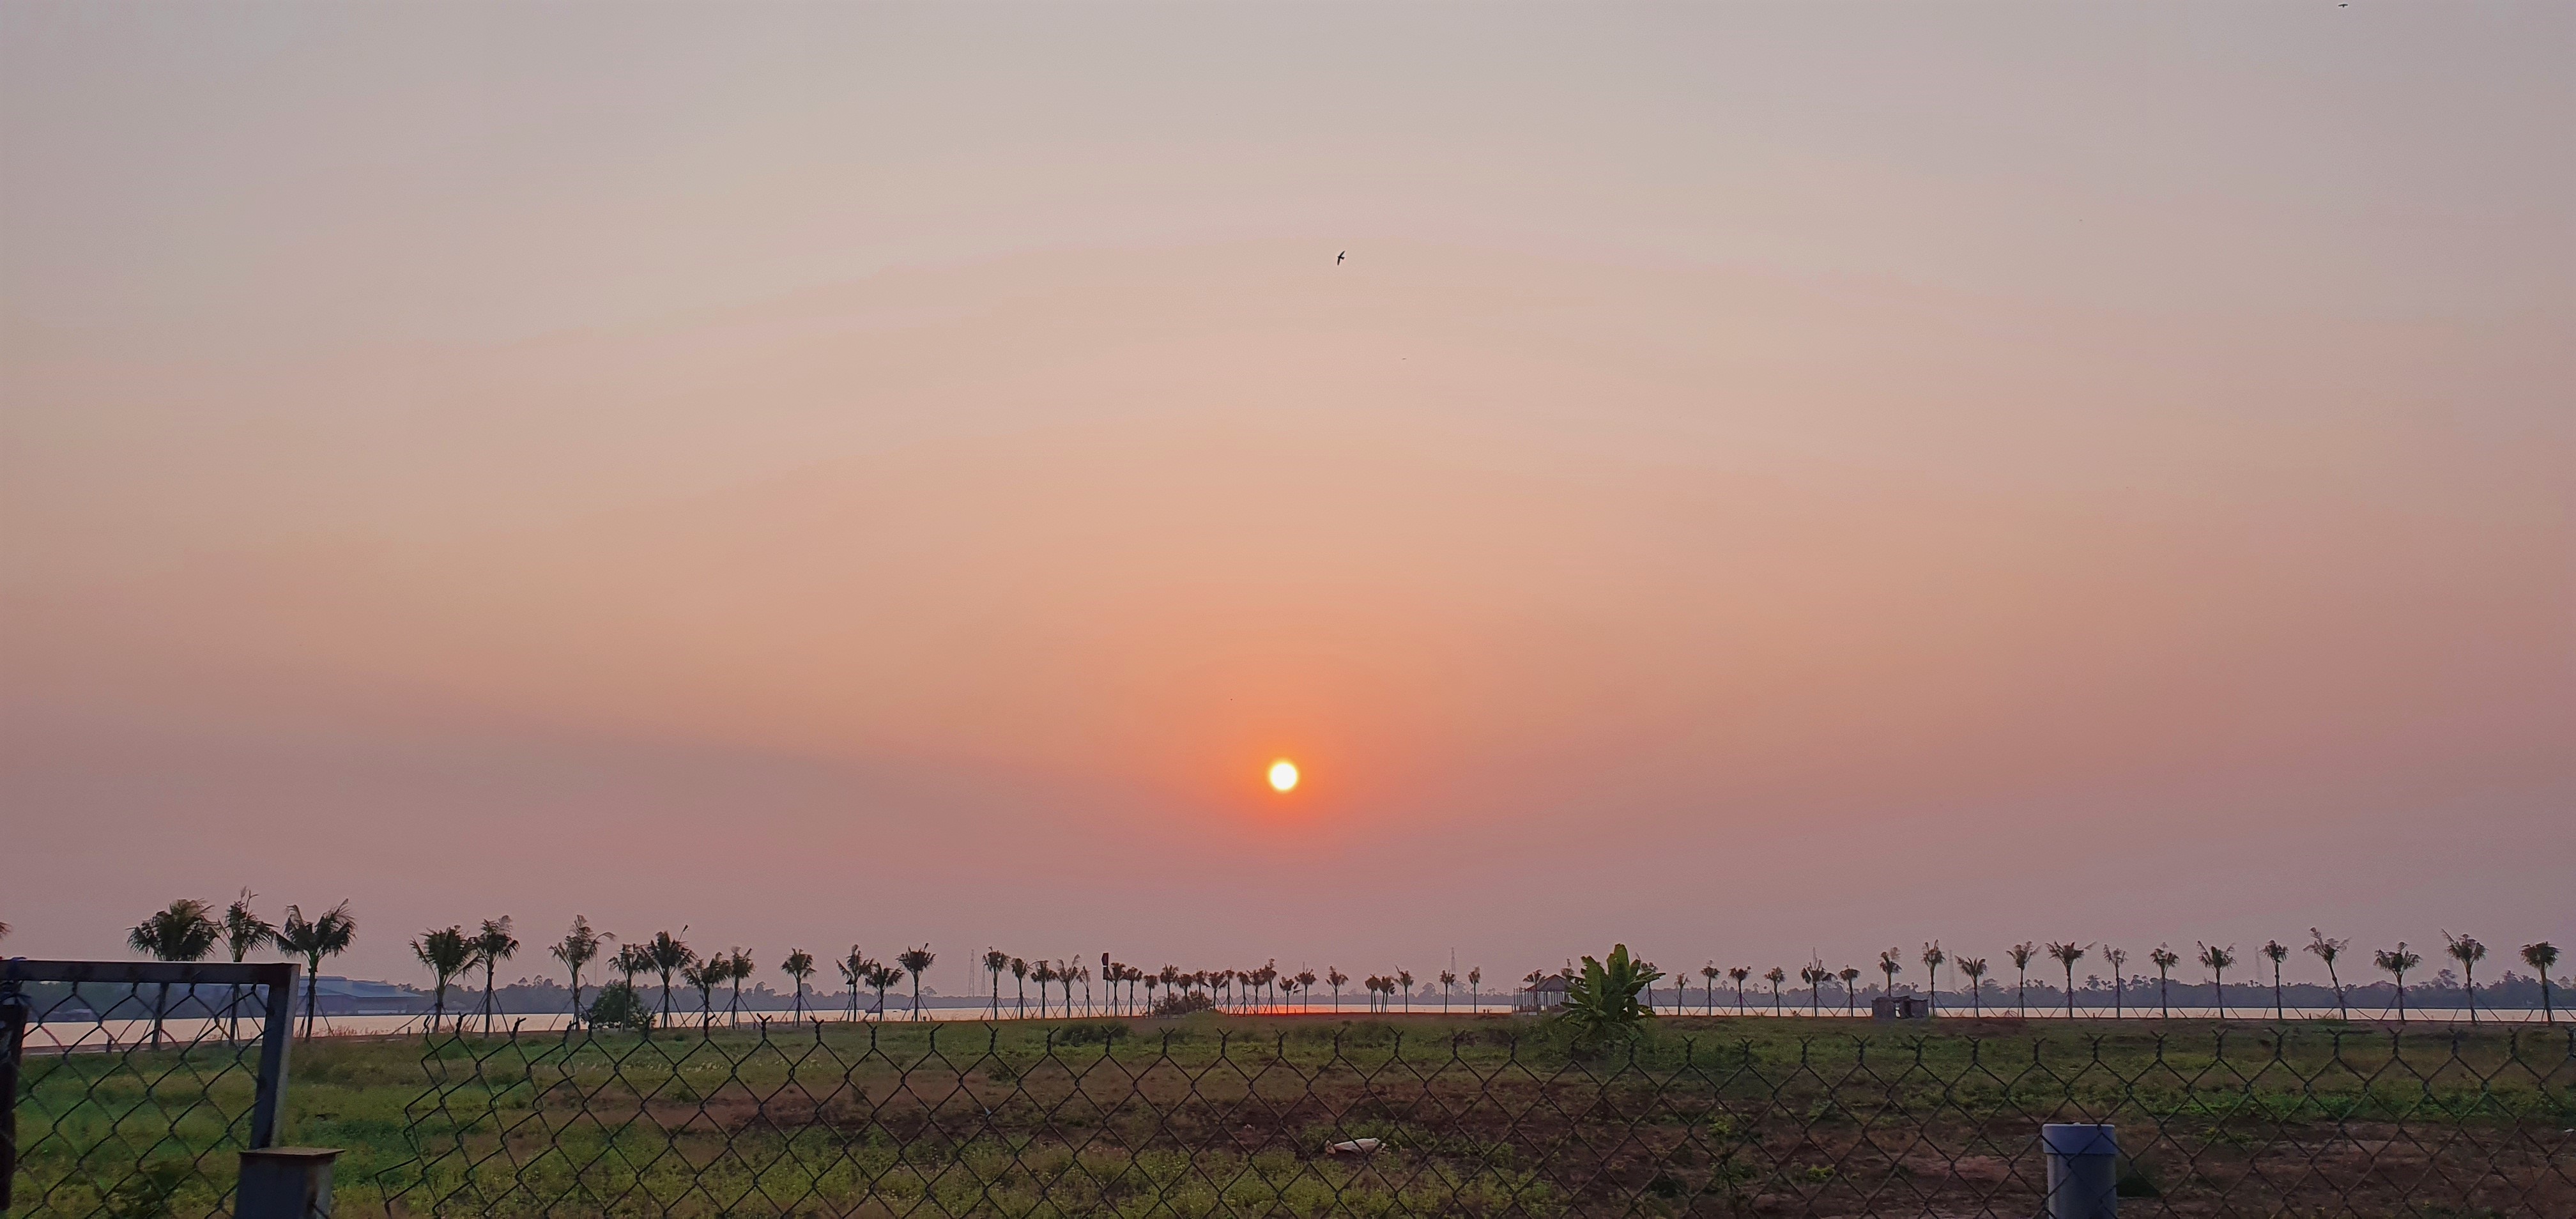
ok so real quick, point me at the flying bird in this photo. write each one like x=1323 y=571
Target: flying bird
x=1337 y=258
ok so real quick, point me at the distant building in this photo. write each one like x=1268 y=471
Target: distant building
x=353 y=997
x=1899 y=1007
x=1546 y=993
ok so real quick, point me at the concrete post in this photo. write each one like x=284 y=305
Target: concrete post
x=285 y=1183
x=2083 y=1171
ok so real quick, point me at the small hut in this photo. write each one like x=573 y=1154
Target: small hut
x=1546 y=993
x=1899 y=1007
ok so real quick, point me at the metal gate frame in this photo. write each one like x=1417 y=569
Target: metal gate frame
x=276 y=1036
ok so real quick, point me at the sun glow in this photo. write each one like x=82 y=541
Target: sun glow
x=1283 y=775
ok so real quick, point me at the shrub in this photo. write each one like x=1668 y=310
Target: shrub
x=619 y=1007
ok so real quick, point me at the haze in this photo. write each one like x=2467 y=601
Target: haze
x=1766 y=479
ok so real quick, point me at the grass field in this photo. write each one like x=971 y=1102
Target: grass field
x=1232 y=1115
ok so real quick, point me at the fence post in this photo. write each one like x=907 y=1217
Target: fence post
x=2083 y=1170
x=276 y=1035
x=285 y=1183
x=13 y=1038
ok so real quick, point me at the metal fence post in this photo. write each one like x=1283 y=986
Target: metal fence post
x=13 y=1040
x=268 y=1104
x=285 y=1183
x=2083 y=1170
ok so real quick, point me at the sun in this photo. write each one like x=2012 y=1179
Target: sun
x=1283 y=775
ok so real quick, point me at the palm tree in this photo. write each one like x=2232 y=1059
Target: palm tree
x=1475 y=988
x=181 y=932
x=1814 y=974
x=1334 y=975
x=799 y=966
x=493 y=945
x=1404 y=978
x=1043 y=974
x=1932 y=959
x=2067 y=955
x=631 y=959
x=1739 y=973
x=447 y=953
x=995 y=961
x=1306 y=987
x=579 y=947
x=2165 y=959
x=738 y=965
x=1851 y=997
x=2327 y=950
x=1775 y=978
x=2119 y=960
x=2541 y=957
x=1975 y=968
x=916 y=960
x=2398 y=962
x=854 y=970
x=1889 y=962
x=2468 y=952
x=314 y=939
x=881 y=976
x=704 y=977
x=2218 y=959
x=2276 y=952
x=244 y=930
x=2021 y=955
x=1709 y=974
x=1020 y=978
x=669 y=953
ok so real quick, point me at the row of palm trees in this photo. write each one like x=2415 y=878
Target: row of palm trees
x=2217 y=960
x=190 y=930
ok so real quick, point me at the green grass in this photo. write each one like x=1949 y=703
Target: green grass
x=1228 y=1115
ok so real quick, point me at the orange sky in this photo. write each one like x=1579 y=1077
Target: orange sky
x=1766 y=479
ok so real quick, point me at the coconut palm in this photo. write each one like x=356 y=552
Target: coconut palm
x=2119 y=961
x=183 y=931
x=2327 y=950
x=2021 y=955
x=799 y=966
x=1975 y=968
x=2468 y=952
x=2218 y=959
x=1043 y=974
x=1775 y=978
x=2541 y=957
x=1306 y=987
x=2276 y=952
x=2397 y=963
x=738 y=969
x=1404 y=978
x=1334 y=976
x=447 y=952
x=1709 y=975
x=669 y=954
x=854 y=971
x=704 y=977
x=917 y=961
x=2165 y=959
x=1851 y=996
x=579 y=947
x=313 y=939
x=244 y=930
x=2067 y=955
x=882 y=976
x=493 y=945
x=631 y=959
x=1814 y=974
x=995 y=961
x=1889 y=963
x=1932 y=959
x=1738 y=974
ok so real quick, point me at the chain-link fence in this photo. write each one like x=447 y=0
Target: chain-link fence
x=126 y=1089
x=1221 y=1116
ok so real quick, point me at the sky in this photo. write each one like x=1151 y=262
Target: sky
x=1766 y=481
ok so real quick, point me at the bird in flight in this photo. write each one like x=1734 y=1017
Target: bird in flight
x=1337 y=258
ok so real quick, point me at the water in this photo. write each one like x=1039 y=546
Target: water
x=102 y=1035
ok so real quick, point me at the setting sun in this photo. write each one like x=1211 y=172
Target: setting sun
x=1283 y=775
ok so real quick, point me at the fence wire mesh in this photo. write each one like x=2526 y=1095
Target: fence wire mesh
x=130 y=1087
x=1224 y=1116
